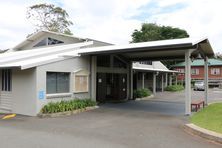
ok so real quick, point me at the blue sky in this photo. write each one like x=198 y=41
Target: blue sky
x=114 y=20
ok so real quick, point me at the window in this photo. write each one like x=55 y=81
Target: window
x=195 y=71
x=6 y=80
x=215 y=71
x=146 y=62
x=103 y=61
x=118 y=63
x=57 y=82
x=52 y=41
x=181 y=70
x=48 y=41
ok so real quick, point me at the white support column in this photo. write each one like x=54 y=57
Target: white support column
x=131 y=80
x=170 y=80
x=187 y=82
x=175 y=79
x=143 y=80
x=206 y=80
x=93 y=77
x=166 y=80
x=162 y=86
x=154 y=84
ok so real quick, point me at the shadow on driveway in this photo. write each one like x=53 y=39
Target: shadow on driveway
x=162 y=107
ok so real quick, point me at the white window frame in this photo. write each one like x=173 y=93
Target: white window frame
x=181 y=70
x=215 y=71
x=58 y=93
x=195 y=71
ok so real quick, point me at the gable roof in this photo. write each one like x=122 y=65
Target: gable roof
x=200 y=62
x=34 y=57
x=40 y=33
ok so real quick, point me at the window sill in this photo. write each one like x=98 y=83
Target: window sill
x=79 y=92
x=58 y=95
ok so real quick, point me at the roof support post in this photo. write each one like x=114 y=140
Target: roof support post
x=162 y=83
x=188 y=82
x=175 y=79
x=170 y=83
x=206 y=80
x=93 y=77
x=166 y=80
x=143 y=80
x=131 y=80
x=154 y=83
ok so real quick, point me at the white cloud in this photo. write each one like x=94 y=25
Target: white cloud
x=199 y=18
x=114 y=20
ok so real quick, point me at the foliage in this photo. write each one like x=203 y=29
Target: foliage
x=140 y=93
x=154 y=32
x=49 y=17
x=210 y=117
x=70 y=105
x=174 y=88
x=218 y=55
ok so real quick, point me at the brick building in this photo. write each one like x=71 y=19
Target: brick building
x=197 y=71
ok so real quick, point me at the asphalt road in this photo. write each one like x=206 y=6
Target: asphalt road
x=143 y=124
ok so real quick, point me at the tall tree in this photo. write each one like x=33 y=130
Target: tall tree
x=218 y=55
x=49 y=17
x=154 y=32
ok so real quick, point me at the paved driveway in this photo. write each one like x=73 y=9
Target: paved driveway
x=154 y=123
x=215 y=95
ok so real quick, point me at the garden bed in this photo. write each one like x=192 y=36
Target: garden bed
x=64 y=108
x=66 y=113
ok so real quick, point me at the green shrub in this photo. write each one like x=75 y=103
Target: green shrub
x=140 y=93
x=174 y=88
x=69 y=105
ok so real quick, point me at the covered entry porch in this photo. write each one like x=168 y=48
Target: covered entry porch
x=186 y=49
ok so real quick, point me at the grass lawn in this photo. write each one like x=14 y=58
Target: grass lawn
x=209 y=118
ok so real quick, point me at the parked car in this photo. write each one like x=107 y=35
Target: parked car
x=199 y=85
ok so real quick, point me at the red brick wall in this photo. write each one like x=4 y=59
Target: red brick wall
x=201 y=73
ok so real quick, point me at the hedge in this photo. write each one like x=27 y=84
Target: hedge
x=140 y=93
x=69 y=105
x=174 y=88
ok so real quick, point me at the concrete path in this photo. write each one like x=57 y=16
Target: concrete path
x=143 y=124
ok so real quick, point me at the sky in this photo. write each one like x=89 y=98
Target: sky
x=114 y=20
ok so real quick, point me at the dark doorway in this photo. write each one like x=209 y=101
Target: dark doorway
x=111 y=87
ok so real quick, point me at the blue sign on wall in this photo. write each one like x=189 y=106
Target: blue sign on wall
x=41 y=95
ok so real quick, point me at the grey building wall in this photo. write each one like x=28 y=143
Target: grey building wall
x=24 y=91
x=68 y=65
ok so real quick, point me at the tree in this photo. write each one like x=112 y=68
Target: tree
x=49 y=17
x=218 y=55
x=154 y=32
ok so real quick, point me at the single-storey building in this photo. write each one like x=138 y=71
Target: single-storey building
x=197 y=71
x=50 y=66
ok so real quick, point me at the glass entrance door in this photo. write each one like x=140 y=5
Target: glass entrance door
x=111 y=86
